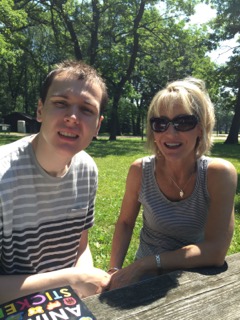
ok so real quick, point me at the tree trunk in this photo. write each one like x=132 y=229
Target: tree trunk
x=92 y=50
x=73 y=35
x=232 y=137
x=127 y=76
x=114 y=117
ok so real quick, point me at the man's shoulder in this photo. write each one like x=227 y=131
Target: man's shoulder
x=8 y=150
x=83 y=158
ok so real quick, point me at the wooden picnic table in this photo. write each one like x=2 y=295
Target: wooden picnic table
x=204 y=293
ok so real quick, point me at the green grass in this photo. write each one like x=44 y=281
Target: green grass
x=113 y=160
x=8 y=138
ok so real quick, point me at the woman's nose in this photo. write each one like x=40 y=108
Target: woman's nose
x=171 y=129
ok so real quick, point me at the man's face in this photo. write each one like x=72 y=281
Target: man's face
x=70 y=116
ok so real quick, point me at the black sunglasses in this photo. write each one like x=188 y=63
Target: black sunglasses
x=180 y=123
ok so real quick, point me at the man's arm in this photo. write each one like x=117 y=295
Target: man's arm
x=21 y=285
x=84 y=278
x=84 y=282
x=84 y=256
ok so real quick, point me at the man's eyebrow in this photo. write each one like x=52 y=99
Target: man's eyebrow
x=90 y=102
x=87 y=101
x=65 y=96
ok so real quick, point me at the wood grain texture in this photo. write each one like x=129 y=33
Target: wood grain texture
x=205 y=293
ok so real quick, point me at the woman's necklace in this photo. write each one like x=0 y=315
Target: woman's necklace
x=181 y=193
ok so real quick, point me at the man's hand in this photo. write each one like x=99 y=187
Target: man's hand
x=90 y=281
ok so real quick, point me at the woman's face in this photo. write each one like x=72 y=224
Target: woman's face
x=174 y=144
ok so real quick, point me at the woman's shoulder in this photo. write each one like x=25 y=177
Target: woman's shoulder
x=221 y=169
x=220 y=164
x=216 y=163
x=136 y=166
x=139 y=163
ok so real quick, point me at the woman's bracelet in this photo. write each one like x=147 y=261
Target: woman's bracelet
x=113 y=269
x=158 y=261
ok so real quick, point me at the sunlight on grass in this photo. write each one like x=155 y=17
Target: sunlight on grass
x=113 y=160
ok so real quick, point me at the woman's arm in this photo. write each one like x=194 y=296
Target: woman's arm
x=128 y=215
x=222 y=183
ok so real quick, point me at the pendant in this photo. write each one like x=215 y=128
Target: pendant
x=181 y=193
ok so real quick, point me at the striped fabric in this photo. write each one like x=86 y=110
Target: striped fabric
x=42 y=217
x=169 y=225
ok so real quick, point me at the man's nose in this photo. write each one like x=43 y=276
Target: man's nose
x=73 y=114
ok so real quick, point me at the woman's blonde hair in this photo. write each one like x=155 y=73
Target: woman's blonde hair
x=191 y=95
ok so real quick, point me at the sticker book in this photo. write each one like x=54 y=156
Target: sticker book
x=54 y=304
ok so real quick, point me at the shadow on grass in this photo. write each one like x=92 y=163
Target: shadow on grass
x=102 y=147
x=222 y=150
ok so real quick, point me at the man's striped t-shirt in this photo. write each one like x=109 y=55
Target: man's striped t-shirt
x=42 y=217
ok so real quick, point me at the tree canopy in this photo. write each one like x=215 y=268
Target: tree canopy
x=137 y=46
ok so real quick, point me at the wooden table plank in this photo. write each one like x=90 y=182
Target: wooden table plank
x=206 y=293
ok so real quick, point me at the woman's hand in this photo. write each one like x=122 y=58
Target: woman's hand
x=133 y=273
x=125 y=277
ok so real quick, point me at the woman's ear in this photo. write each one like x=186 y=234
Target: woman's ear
x=39 y=110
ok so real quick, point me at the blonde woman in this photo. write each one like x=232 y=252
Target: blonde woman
x=187 y=197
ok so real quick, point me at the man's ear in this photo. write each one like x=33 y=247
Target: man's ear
x=99 y=125
x=39 y=110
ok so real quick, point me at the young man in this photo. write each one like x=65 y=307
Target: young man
x=47 y=190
